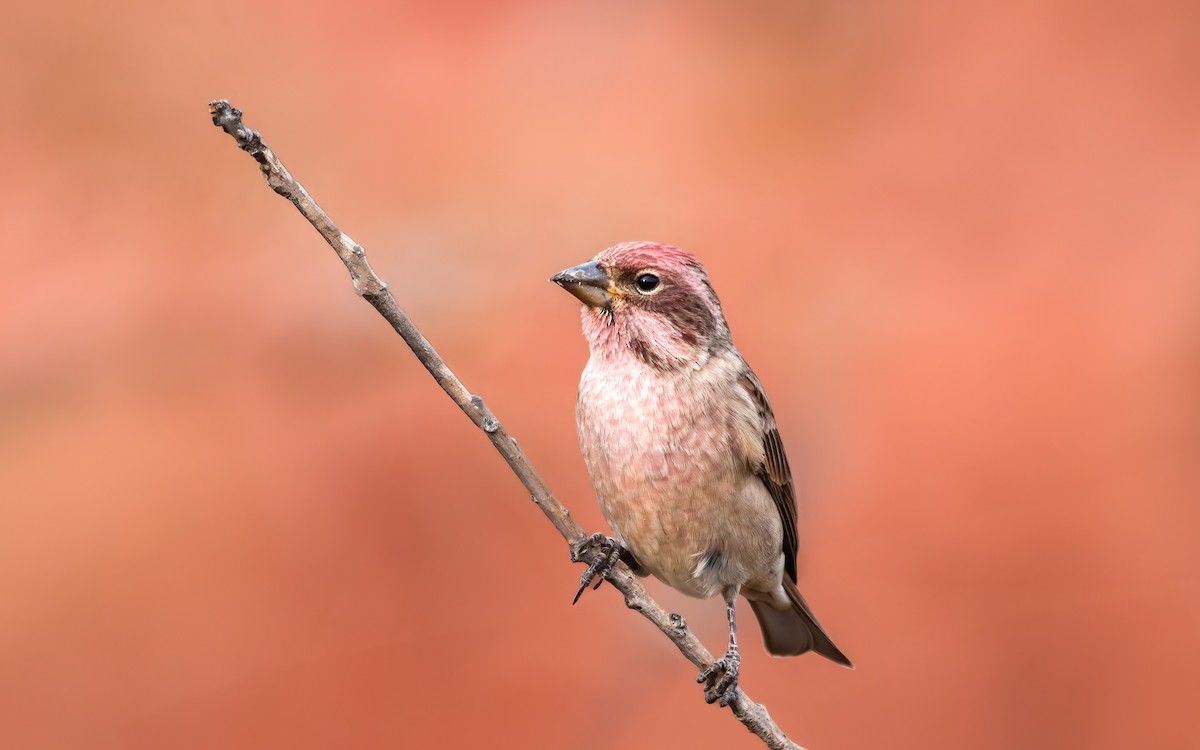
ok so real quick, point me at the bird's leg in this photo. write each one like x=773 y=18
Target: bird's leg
x=721 y=677
x=609 y=550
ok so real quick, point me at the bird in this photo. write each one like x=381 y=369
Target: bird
x=683 y=450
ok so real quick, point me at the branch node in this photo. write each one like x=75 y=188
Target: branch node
x=369 y=287
x=487 y=421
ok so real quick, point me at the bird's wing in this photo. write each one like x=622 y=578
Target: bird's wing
x=773 y=470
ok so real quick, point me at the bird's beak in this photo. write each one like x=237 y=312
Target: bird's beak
x=588 y=282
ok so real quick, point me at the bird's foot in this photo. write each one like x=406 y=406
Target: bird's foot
x=608 y=551
x=721 y=678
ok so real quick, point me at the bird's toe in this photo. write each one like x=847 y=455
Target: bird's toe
x=604 y=559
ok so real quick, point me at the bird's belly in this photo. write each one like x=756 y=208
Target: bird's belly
x=701 y=539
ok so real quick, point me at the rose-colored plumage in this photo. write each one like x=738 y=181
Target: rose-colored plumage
x=681 y=445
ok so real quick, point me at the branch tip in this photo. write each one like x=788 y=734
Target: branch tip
x=229 y=118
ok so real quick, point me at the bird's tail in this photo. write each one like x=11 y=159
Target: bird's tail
x=789 y=632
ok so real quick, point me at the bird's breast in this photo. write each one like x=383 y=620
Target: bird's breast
x=640 y=429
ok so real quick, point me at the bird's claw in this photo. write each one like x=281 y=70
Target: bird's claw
x=609 y=551
x=721 y=678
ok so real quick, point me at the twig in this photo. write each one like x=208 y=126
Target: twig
x=374 y=290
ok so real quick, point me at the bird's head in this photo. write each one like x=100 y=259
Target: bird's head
x=653 y=300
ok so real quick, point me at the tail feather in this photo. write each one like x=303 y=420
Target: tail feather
x=790 y=632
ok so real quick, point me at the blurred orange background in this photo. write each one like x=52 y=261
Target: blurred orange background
x=959 y=243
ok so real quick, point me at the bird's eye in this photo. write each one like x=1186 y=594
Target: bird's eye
x=647 y=283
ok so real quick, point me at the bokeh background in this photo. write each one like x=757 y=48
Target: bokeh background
x=958 y=241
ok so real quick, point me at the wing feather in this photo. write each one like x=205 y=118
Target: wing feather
x=773 y=470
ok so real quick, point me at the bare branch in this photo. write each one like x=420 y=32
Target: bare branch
x=374 y=290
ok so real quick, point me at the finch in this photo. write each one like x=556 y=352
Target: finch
x=683 y=451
